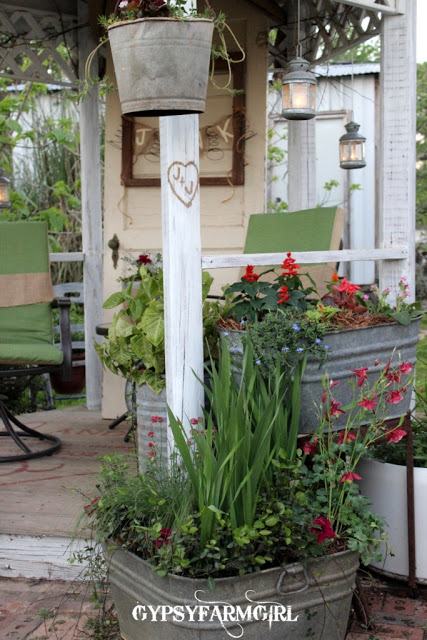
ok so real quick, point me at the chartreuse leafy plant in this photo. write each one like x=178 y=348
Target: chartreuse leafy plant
x=135 y=347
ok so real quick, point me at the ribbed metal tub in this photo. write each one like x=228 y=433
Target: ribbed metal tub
x=161 y=65
x=151 y=406
x=350 y=349
x=319 y=596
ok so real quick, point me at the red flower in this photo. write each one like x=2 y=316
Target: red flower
x=334 y=410
x=405 y=367
x=394 y=397
x=156 y=419
x=395 y=435
x=335 y=277
x=289 y=268
x=367 y=403
x=194 y=421
x=164 y=537
x=151 y=453
x=250 y=276
x=361 y=375
x=349 y=477
x=348 y=438
x=310 y=447
x=283 y=295
x=143 y=259
x=90 y=508
x=393 y=376
x=150 y=434
x=152 y=444
x=322 y=529
x=347 y=286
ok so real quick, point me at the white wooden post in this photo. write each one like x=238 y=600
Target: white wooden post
x=301 y=164
x=398 y=150
x=179 y=140
x=91 y=216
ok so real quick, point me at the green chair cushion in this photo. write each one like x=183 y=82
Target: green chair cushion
x=308 y=230
x=23 y=247
x=30 y=354
x=26 y=324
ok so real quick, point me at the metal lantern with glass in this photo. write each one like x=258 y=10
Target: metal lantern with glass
x=4 y=192
x=352 y=148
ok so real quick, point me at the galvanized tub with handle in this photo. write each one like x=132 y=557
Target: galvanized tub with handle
x=161 y=64
x=297 y=600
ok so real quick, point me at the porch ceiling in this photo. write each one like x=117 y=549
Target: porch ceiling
x=327 y=27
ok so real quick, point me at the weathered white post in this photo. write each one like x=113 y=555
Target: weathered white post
x=301 y=165
x=91 y=215
x=179 y=142
x=398 y=151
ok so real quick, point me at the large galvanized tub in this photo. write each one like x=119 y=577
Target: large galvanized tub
x=318 y=596
x=385 y=486
x=161 y=65
x=349 y=349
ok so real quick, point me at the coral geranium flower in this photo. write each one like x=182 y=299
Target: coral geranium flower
x=322 y=529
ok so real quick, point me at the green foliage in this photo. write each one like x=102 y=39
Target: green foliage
x=369 y=51
x=135 y=347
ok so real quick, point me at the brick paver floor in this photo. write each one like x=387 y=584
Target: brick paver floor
x=56 y=610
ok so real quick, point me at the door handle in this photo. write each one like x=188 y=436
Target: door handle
x=114 y=245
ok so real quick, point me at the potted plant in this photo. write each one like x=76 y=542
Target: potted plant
x=242 y=517
x=384 y=483
x=347 y=330
x=161 y=54
x=135 y=345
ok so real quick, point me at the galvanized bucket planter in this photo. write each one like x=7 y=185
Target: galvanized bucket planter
x=161 y=65
x=151 y=406
x=350 y=349
x=318 y=593
x=385 y=486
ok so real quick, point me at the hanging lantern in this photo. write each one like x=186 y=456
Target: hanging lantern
x=352 y=148
x=4 y=192
x=299 y=91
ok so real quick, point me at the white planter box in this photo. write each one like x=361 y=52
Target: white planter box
x=385 y=485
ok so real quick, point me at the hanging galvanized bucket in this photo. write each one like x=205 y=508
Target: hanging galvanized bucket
x=299 y=601
x=161 y=65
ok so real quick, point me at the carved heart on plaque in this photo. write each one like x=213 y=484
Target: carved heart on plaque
x=184 y=181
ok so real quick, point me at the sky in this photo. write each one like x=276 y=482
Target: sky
x=421 y=24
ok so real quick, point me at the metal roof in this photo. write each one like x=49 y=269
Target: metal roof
x=347 y=69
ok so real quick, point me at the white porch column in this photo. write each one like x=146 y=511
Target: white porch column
x=179 y=140
x=91 y=216
x=301 y=164
x=397 y=150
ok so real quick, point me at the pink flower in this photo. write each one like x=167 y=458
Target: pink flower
x=151 y=453
x=395 y=435
x=151 y=444
x=368 y=404
x=150 y=434
x=348 y=438
x=394 y=397
x=405 y=367
x=349 y=477
x=322 y=529
x=393 y=376
x=194 y=421
x=361 y=375
x=164 y=537
x=156 y=419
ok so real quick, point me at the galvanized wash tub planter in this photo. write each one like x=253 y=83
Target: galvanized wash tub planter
x=151 y=406
x=350 y=349
x=319 y=595
x=385 y=486
x=161 y=64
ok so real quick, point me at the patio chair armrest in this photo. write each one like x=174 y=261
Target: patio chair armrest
x=63 y=304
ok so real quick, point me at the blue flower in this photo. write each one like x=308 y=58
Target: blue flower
x=236 y=349
x=326 y=346
x=318 y=340
x=296 y=327
x=299 y=349
x=285 y=348
x=257 y=361
x=225 y=333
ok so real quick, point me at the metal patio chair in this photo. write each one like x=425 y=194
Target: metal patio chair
x=26 y=344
